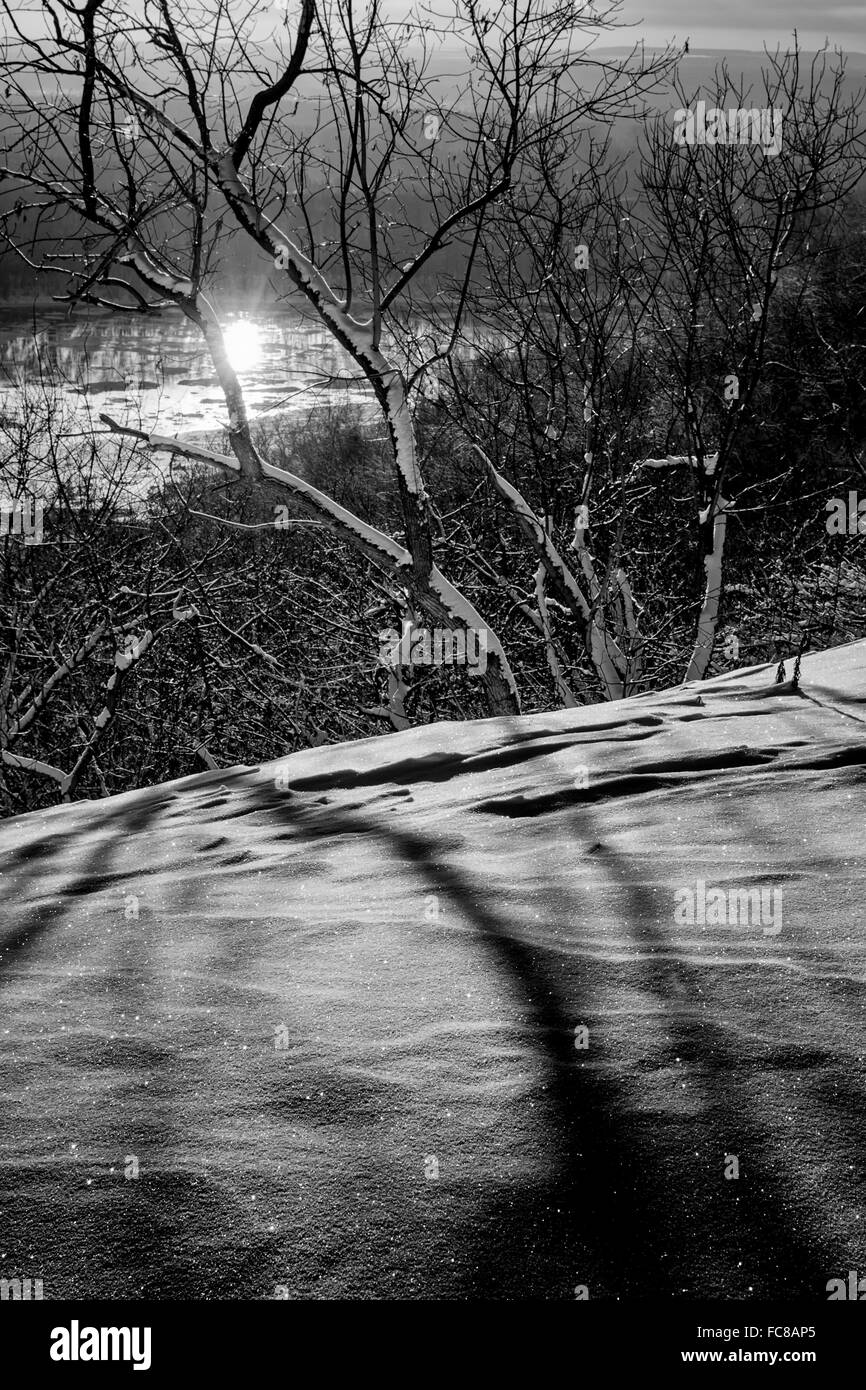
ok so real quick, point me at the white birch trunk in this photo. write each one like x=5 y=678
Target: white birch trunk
x=708 y=621
x=601 y=647
x=562 y=687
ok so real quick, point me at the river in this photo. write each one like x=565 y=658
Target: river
x=157 y=369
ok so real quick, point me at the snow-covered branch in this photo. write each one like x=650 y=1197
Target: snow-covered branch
x=32 y=765
x=438 y=598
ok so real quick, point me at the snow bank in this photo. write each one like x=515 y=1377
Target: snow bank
x=413 y=1016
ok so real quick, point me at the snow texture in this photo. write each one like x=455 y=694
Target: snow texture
x=330 y=1011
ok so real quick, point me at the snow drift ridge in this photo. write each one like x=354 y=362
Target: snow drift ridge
x=413 y=1016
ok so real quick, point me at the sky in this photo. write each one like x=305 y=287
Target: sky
x=736 y=24
x=747 y=24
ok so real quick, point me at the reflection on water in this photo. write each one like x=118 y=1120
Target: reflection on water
x=160 y=369
x=157 y=370
x=243 y=343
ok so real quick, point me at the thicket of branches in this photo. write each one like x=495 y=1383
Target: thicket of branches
x=623 y=484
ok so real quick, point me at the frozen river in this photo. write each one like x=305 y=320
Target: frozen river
x=158 y=367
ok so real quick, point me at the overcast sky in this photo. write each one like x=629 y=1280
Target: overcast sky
x=716 y=24
x=748 y=23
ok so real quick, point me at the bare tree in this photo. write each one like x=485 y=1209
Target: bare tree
x=338 y=150
x=638 y=322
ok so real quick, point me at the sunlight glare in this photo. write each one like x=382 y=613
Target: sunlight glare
x=243 y=344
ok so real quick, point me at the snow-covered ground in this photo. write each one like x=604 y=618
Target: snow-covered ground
x=424 y=1015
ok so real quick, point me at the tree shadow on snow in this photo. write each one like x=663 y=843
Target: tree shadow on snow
x=625 y=1194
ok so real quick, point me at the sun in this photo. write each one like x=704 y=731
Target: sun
x=243 y=343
